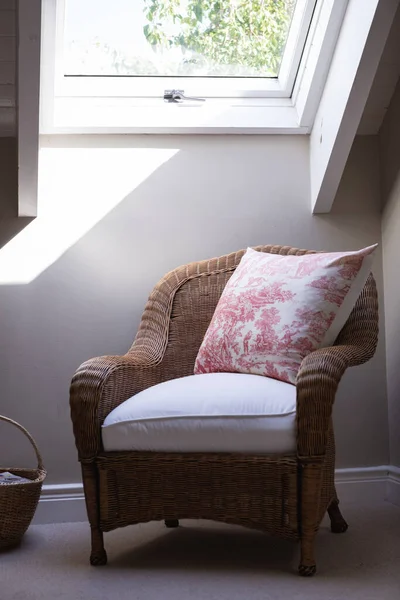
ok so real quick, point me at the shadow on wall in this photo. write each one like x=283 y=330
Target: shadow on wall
x=389 y=139
x=10 y=224
x=169 y=201
x=172 y=199
x=78 y=187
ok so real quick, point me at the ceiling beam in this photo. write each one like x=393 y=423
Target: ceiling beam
x=29 y=28
x=365 y=29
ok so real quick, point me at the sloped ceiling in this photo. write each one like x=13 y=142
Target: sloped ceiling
x=384 y=84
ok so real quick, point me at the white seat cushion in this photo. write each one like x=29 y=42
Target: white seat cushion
x=215 y=412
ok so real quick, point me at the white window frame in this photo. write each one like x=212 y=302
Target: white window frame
x=131 y=105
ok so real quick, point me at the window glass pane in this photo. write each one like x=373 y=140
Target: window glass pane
x=210 y=38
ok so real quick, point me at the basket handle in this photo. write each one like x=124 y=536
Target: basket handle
x=30 y=438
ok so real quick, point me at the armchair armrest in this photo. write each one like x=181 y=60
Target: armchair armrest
x=322 y=370
x=100 y=385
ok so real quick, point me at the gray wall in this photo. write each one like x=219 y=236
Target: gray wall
x=390 y=168
x=7 y=67
x=116 y=213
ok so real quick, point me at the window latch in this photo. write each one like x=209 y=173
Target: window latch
x=178 y=96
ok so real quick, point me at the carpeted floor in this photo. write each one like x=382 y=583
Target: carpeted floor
x=203 y=560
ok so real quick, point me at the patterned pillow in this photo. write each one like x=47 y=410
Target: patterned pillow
x=277 y=309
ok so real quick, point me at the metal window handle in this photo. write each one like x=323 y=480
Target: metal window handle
x=179 y=96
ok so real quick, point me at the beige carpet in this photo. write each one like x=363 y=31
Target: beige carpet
x=207 y=561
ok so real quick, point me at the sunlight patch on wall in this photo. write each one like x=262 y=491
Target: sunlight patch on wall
x=77 y=188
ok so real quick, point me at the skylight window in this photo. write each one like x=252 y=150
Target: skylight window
x=119 y=66
x=178 y=38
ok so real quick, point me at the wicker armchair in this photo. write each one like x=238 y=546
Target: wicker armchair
x=288 y=495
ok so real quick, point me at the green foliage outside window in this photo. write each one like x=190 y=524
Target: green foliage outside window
x=224 y=37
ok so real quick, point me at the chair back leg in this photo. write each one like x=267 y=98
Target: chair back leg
x=338 y=524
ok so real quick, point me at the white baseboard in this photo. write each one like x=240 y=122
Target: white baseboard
x=363 y=482
x=61 y=503
x=65 y=503
x=393 y=486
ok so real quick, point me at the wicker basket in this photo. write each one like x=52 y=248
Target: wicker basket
x=18 y=501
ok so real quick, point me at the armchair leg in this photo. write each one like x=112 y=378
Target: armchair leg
x=338 y=524
x=171 y=523
x=98 y=554
x=311 y=481
x=307 y=567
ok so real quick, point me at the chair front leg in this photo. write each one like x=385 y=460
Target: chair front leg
x=311 y=483
x=98 y=555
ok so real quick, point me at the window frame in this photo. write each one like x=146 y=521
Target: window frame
x=125 y=105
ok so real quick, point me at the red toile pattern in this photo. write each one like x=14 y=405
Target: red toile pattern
x=277 y=309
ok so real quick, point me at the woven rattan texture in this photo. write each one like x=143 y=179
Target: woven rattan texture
x=248 y=490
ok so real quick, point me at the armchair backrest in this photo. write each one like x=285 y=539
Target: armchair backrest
x=182 y=304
